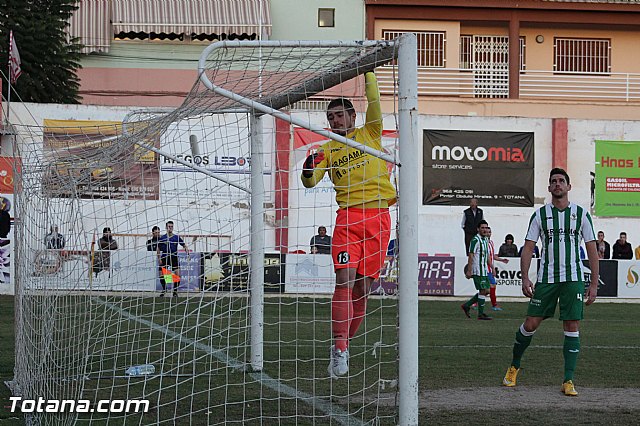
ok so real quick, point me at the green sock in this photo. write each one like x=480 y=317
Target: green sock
x=521 y=344
x=571 y=350
x=481 y=300
x=471 y=301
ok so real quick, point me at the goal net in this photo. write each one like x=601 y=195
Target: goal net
x=223 y=314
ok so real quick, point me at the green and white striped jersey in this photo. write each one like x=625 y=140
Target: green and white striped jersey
x=480 y=248
x=561 y=232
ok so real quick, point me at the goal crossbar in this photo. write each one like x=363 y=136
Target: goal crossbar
x=339 y=74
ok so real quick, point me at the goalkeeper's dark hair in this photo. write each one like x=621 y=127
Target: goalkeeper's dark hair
x=344 y=103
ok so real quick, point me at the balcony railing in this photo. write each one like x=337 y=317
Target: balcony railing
x=455 y=82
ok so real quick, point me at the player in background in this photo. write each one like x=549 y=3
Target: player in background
x=491 y=273
x=560 y=225
x=477 y=268
x=168 y=252
x=363 y=225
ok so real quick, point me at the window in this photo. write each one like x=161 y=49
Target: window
x=466 y=51
x=326 y=17
x=431 y=46
x=580 y=55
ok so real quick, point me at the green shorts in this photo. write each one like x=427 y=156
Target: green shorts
x=546 y=296
x=481 y=282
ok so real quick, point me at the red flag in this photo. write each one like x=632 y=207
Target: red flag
x=14 y=60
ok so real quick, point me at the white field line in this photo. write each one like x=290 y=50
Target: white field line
x=336 y=412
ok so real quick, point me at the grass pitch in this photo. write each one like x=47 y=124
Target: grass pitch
x=456 y=353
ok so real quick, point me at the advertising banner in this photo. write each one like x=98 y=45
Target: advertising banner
x=224 y=271
x=190 y=273
x=220 y=144
x=7 y=266
x=435 y=276
x=129 y=270
x=135 y=176
x=310 y=274
x=617 y=180
x=629 y=278
x=508 y=278
x=608 y=281
x=494 y=167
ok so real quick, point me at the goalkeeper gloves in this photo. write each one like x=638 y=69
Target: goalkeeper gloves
x=311 y=163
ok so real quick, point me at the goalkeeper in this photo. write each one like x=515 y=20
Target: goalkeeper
x=363 y=224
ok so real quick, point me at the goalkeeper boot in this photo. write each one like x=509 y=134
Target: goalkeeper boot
x=339 y=362
x=568 y=389
x=510 y=378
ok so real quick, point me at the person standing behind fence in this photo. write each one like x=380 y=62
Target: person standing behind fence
x=168 y=252
x=54 y=240
x=471 y=218
x=102 y=259
x=622 y=248
x=154 y=241
x=508 y=248
x=322 y=241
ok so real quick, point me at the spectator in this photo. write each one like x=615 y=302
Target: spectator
x=536 y=252
x=638 y=253
x=508 y=249
x=322 y=241
x=622 y=249
x=152 y=243
x=168 y=251
x=102 y=259
x=604 y=249
x=314 y=250
x=54 y=240
x=471 y=218
x=5 y=217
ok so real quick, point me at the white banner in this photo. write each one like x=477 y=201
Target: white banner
x=508 y=279
x=629 y=278
x=130 y=270
x=310 y=274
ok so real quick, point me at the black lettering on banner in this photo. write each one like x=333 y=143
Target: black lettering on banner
x=343 y=258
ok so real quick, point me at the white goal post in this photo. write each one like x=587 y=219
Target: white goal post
x=240 y=340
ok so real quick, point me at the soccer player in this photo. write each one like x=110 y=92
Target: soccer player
x=168 y=252
x=477 y=268
x=560 y=226
x=363 y=224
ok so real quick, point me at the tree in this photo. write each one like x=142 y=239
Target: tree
x=49 y=58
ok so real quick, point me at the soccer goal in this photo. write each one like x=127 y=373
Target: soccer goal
x=223 y=314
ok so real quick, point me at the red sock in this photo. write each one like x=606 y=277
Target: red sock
x=359 y=311
x=492 y=295
x=341 y=314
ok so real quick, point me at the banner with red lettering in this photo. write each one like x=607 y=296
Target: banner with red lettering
x=494 y=167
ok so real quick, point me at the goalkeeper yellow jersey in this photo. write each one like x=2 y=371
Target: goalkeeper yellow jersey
x=359 y=179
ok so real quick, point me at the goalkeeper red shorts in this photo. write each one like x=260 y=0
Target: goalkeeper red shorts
x=360 y=240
